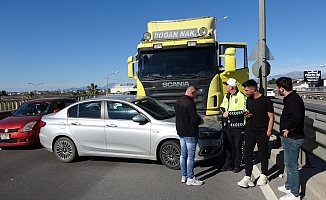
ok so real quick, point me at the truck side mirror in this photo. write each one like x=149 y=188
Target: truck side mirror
x=130 y=67
x=229 y=59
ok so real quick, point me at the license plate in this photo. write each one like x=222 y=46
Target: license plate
x=4 y=136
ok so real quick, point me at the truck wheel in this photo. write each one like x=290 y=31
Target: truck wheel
x=170 y=154
x=65 y=150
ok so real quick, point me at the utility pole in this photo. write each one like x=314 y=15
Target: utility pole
x=261 y=53
x=262 y=48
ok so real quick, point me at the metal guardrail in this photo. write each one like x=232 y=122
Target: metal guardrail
x=315 y=130
x=318 y=93
x=312 y=95
x=9 y=105
x=12 y=104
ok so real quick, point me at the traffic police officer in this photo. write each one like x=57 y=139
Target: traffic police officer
x=233 y=109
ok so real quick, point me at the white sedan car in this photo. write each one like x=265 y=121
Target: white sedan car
x=270 y=93
x=123 y=126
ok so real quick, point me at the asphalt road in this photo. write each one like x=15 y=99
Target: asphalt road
x=34 y=173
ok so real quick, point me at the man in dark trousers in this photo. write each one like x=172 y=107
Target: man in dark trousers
x=260 y=121
x=187 y=121
x=233 y=108
x=292 y=135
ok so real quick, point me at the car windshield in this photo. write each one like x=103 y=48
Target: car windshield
x=32 y=108
x=155 y=108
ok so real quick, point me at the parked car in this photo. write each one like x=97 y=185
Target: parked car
x=120 y=126
x=129 y=93
x=270 y=92
x=22 y=127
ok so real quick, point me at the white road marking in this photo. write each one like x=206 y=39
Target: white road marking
x=267 y=190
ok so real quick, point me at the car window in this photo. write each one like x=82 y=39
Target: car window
x=155 y=108
x=121 y=111
x=86 y=110
x=32 y=108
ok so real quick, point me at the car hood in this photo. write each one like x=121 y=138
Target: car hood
x=210 y=123
x=16 y=122
x=169 y=121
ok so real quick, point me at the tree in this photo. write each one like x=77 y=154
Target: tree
x=92 y=89
x=31 y=95
x=3 y=93
x=272 y=81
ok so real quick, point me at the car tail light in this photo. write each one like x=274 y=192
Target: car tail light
x=42 y=123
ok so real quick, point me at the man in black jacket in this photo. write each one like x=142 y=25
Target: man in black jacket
x=292 y=135
x=187 y=121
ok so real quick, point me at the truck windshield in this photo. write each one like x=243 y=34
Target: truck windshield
x=188 y=63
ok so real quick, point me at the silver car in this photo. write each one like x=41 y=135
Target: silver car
x=125 y=126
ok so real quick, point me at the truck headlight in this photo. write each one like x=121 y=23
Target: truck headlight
x=203 y=31
x=146 y=36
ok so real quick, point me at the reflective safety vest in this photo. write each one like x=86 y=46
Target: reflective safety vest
x=236 y=106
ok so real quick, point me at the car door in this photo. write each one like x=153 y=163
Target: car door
x=87 y=125
x=123 y=135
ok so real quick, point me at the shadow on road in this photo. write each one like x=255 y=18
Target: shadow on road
x=28 y=147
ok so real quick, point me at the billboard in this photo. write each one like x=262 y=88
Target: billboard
x=312 y=76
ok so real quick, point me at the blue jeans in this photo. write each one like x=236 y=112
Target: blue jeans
x=291 y=155
x=187 y=157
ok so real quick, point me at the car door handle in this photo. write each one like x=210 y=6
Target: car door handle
x=76 y=124
x=111 y=125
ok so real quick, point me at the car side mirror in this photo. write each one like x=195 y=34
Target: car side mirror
x=139 y=118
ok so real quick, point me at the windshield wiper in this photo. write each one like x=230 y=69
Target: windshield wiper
x=187 y=75
x=154 y=77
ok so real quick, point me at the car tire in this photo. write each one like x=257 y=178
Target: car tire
x=170 y=154
x=65 y=150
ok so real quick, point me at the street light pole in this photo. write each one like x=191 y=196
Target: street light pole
x=35 y=86
x=225 y=17
x=107 y=82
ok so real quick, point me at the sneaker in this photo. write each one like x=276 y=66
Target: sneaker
x=283 y=189
x=183 y=179
x=290 y=196
x=262 y=180
x=194 y=181
x=237 y=169
x=226 y=168
x=246 y=182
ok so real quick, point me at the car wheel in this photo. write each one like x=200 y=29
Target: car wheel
x=170 y=154
x=65 y=150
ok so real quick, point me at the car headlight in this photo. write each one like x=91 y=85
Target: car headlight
x=209 y=134
x=29 y=126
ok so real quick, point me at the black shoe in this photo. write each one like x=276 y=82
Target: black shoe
x=237 y=169
x=226 y=168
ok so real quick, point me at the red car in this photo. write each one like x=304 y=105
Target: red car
x=23 y=126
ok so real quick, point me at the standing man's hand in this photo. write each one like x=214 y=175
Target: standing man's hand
x=226 y=114
x=247 y=114
x=285 y=133
x=201 y=121
x=269 y=133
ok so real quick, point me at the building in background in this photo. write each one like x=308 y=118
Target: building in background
x=120 y=88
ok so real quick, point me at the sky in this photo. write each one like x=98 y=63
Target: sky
x=59 y=44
